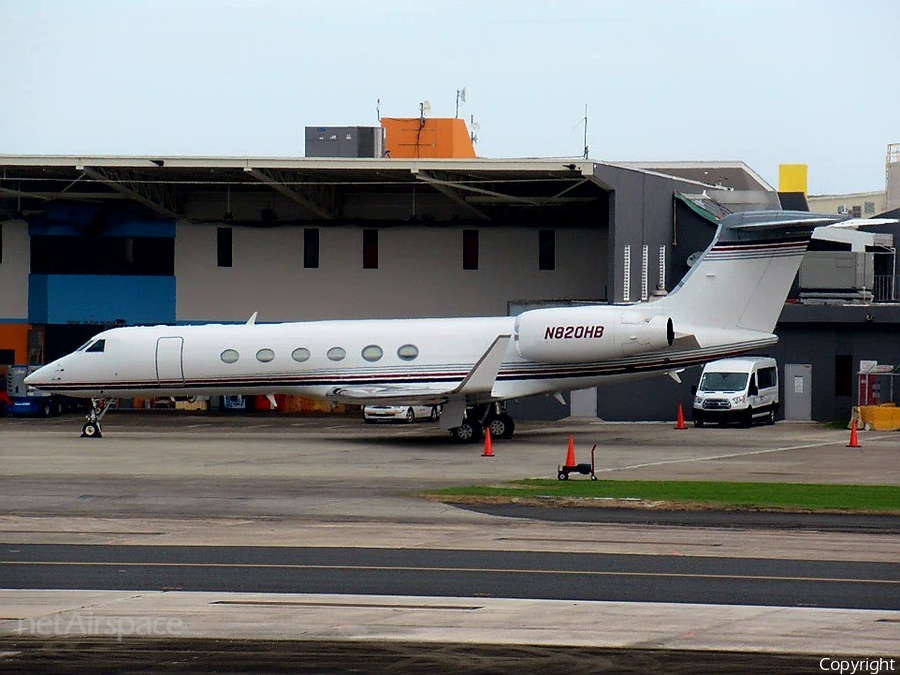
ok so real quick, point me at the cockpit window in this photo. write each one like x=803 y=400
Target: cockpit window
x=85 y=345
x=98 y=346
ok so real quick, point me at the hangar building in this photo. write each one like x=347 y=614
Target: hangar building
x=86 y=242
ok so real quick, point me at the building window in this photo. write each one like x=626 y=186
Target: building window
x=300 y=354
x=470 y=249
x=223 y=247
x=265 y=355
x=131 y=256
x=372 y=353
x=336 y=353
x=230 y=356
x=370 y=249
x=856 y=211
x=869 y=207
x=842 y=209
x=547 y=249
x=311 y=248
x=843 y=375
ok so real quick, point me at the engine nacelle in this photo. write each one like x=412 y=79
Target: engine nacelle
x=586 y=334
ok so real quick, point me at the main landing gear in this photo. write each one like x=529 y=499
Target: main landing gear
x=91 y=428
x=478 y=418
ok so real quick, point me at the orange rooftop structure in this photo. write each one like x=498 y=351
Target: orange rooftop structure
x=426 y=138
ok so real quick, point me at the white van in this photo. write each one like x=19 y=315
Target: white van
x=737 y=390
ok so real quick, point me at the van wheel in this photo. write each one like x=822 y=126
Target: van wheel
x=747 y=420
x=770 y=418
x=698 y=424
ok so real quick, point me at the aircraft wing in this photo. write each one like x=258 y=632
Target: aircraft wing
x=412 y=394
x=479 y=380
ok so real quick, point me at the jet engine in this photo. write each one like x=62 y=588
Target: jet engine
x=587 y=334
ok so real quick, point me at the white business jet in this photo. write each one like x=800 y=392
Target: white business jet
x=727 y=304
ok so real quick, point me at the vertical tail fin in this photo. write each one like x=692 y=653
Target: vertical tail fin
x=743 y=278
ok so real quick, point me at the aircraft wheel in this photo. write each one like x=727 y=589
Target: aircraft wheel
x=468 y=432
x=91 y=430
x=502 y=426
x=562 y=475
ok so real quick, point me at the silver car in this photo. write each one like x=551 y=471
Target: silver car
x=401 y=413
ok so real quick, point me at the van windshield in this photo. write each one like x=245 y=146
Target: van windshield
x=723 y=381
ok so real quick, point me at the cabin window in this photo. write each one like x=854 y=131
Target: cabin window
x=265 y=355
x=311 y=248
x=336 y=353
x=300 y=354
x=470 y=249
x=98 y=346
x=229 y=356
x=408 y=352
x=372 y=353
x=546 y=249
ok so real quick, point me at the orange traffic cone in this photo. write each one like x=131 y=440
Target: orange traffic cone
x=680 y=420
x=570 y=455
x=488 y=450
x=854 y=438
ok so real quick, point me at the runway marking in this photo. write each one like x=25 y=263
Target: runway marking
x=715 y=457
x=406 y=568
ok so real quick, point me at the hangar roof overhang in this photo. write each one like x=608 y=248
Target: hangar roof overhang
x=339 y=190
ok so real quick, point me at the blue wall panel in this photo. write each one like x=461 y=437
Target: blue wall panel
x=71 y=298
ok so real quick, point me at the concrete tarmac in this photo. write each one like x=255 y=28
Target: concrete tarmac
x=183 y=479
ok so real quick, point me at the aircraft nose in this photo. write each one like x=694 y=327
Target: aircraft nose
x=41 y=376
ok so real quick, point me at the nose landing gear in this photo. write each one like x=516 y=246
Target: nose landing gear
x=91 y=428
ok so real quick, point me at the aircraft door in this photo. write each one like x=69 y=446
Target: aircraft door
x=169 y=367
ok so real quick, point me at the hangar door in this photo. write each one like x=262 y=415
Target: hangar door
x=168 y=360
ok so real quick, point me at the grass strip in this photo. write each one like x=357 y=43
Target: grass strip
x=781 y=496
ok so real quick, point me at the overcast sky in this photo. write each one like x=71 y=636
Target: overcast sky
x=765 y=82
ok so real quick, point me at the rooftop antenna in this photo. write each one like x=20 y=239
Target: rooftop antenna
x=473 y=126
x=460 y=97
x=424 y=111
x=586 y=153
x=378 y=109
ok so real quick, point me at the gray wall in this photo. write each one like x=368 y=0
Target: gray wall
x=419 y=274
x=14 y=271
x=641 y=207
